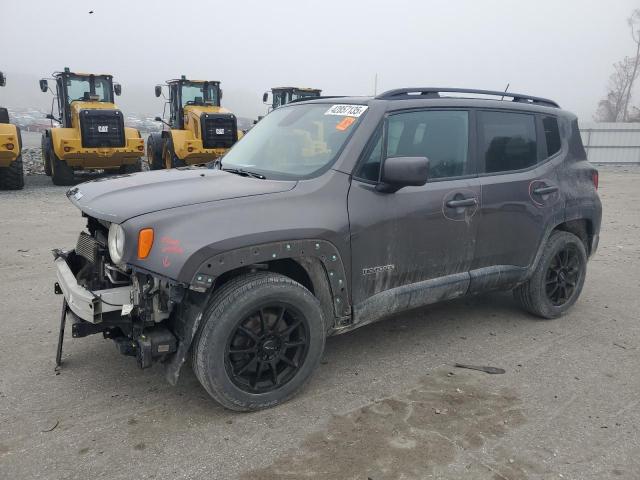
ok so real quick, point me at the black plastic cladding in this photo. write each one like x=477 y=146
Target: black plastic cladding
x=324 y=251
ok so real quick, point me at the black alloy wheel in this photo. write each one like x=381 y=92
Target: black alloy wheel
x=563 y=276
x=267 y=348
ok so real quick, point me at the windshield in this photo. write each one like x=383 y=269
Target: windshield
x=79 y=88
x=296 y=141
x=197 y=94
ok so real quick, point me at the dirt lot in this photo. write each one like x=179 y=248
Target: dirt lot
x=385 y=404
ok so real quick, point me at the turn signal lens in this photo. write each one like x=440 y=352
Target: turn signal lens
x=595 y=178
x=141 y=147
x=190 y=149
x=67 y=149
x=145 y=242
x=9 y=146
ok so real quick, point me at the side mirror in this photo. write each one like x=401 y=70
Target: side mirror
x=265 y=97
x=3 y=80
x=117 y=89
x=48 y=116
x=220 y=94
x=44 y=85
x=399 y=172
x=158 y=119
x=158 y=90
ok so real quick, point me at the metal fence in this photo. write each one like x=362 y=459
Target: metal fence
x=617 y=143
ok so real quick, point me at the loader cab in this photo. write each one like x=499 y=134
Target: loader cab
x=71 y=87
x=183 y=93
x=282 y=95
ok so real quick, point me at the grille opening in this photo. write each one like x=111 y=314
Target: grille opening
x=219 y=130
x=102 y=128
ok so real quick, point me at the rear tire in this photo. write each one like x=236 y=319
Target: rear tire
x=171 y=157
x=12 y=177
x=558 y=278
x=46 y=158
x=154 y=152
x=261 y=339
x=132 y=168
x=61 y=173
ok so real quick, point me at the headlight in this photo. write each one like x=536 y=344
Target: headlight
x=116 y=242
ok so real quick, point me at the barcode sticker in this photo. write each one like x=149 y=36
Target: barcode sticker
x=347 y=110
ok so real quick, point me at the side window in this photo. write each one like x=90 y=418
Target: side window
x=552 y=135
x=441 y=136
x=370 y=167
x=507 y=141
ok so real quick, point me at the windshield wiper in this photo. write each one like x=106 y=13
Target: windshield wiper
x=244 y=173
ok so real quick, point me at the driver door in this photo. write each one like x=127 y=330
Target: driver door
x=415 y=246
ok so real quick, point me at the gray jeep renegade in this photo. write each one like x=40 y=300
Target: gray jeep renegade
x=328 y=215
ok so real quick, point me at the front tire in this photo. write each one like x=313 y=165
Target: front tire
x=558 y=278
x=262 y=337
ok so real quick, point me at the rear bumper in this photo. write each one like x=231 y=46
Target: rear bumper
x=75 y=155
x=85 y=304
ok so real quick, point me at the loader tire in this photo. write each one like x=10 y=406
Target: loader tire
x=61 y=172
x=154 y=152
x=46 y=157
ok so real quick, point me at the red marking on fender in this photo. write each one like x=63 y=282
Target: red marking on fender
x=171 y=245
x=165 y=262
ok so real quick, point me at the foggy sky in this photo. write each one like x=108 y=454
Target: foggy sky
x=561 y=49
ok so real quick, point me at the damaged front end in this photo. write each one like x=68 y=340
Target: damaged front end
x=135 y=309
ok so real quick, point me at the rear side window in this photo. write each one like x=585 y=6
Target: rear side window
x=552 y=135
x=507 y=141
x=441 y=136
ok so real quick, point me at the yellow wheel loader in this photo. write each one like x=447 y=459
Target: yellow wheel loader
x=282 y=95
x=11 y=174
x=199 y=130
x=91 y=134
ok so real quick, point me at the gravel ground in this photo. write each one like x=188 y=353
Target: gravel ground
x=385 y=403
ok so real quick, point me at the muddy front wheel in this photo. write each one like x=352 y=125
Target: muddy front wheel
x=262 y=337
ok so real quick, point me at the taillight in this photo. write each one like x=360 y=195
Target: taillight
x=595 y=178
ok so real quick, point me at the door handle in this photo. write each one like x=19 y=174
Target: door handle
x=465 y=202
x=545 y=190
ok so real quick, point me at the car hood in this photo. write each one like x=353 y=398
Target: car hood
x=117 y=199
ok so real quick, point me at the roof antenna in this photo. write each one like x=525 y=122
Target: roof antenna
x=505 y=91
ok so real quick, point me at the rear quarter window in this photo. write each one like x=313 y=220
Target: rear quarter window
x=551 y=135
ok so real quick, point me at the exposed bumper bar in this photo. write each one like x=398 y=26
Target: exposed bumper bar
x=84 y=303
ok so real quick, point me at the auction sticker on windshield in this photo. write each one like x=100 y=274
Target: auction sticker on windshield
x=347 y=110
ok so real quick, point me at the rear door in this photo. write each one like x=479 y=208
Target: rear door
x=400 y=240
x=518 y=156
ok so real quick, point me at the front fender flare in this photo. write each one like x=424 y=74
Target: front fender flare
x=325 y=252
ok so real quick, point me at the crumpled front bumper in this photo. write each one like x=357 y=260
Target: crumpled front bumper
x=89 y=306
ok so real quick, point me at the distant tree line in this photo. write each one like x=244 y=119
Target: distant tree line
x=616 y=106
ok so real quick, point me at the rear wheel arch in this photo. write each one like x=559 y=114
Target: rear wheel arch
x=581 y=228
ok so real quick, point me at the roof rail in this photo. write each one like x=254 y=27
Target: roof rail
x=321 y=97
x=433 y=92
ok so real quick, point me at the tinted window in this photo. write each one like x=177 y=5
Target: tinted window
x=508 y=141
x=441 y=136
x=552 y=135
x=370 y=168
